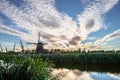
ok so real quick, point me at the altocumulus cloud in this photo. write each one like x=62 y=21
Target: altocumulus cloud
x=57 y=28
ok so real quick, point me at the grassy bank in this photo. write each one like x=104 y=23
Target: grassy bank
x=86 y=58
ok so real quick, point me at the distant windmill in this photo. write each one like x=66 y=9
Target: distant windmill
x=1 y=47
x=39 y=45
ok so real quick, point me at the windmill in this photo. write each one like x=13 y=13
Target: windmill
x=39 y=45
x=1 y=48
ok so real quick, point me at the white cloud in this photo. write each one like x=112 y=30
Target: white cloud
x=56 y=28
x=66 y=74
x=91 y=19
x=8 y=43
x=84 y=2
x=108 y=37
x=41 y=16
x=11 y=31
x=92 y=38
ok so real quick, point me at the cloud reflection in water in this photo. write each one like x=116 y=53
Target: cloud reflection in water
x=66 y=74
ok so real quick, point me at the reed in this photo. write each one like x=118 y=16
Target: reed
x=23 y=67
x=6 y=49
x=14 y=47
x=22 y=46
x=1 y=48
x=84 y=58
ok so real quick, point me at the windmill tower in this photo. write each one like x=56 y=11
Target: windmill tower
x=39 y=45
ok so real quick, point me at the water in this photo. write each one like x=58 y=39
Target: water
x=87 y=72
x=75 y=74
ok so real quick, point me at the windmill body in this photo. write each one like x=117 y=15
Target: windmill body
x=39 y=48
x=39 y=45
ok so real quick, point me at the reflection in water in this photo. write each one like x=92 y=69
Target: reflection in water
x=66 y=74
x=91 y=68
x=104 y=76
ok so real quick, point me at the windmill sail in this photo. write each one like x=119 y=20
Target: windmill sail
x=39 y=45
x=38 y=37
x=31 y=43
x=39 y=48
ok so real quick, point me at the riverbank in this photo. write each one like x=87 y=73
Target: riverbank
x=86 y=58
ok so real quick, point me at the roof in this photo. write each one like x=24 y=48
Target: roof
x=40 y=43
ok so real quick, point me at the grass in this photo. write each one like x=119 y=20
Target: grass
x=23 y=67
x=85 y=58
x=97 y=58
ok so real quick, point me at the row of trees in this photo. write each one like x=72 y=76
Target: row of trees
x=80 y=50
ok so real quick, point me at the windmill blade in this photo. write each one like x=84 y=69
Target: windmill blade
x=38 y=37
x=44 y=43
x=31 y=43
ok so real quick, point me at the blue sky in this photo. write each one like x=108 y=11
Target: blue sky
x=63 y=24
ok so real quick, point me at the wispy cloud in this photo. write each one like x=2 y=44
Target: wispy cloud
x=85 y=1
x=11 y=31
x=92 y=38
x=92 y=19
x=108 y=37
x=7 y=43
x=57 y=29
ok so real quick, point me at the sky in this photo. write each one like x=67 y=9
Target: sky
x=63 y=24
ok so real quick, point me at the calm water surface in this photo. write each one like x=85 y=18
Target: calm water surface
x=87 y=72
x=68 y=74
